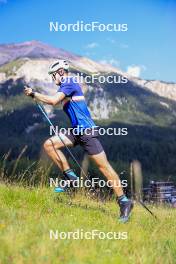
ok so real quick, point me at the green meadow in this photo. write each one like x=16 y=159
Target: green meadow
x=28 y=214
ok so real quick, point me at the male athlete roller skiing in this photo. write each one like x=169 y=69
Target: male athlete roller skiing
x=71 y=96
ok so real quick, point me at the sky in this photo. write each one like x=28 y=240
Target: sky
x=146 y=50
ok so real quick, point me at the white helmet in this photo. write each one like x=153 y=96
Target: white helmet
x=54 y=67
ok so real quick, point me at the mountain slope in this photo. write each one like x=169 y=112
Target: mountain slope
x=37 y=50
x=128 y=102
x=31 y=49
x=135 y=102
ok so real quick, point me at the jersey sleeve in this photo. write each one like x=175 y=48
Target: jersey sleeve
x=67 y=89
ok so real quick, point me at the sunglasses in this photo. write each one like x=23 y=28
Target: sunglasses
x=54 y=76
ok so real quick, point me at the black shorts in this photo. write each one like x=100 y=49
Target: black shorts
x=90 y=143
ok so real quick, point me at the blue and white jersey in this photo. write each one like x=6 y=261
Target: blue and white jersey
x=74 y=104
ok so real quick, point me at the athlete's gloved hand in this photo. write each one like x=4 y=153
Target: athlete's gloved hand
x=28 y=91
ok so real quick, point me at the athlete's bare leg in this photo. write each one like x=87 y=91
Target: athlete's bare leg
x=52 y=147
x=107 y=170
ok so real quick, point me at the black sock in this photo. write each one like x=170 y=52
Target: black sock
x=70 y=175
x=122 y=198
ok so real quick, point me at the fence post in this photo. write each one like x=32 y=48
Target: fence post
x=137 y=179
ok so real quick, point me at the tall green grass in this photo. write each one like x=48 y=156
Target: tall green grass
x=29 y=210
x=28 y=214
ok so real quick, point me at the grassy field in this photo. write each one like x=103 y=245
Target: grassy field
x=28 y=215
